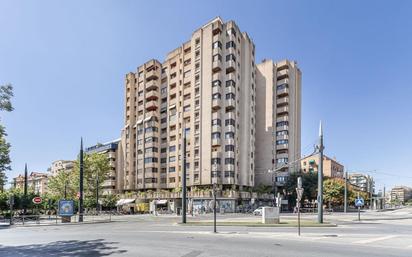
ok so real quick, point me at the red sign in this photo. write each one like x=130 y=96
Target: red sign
x=37 y=200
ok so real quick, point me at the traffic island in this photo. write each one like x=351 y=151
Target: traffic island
x=291 y=224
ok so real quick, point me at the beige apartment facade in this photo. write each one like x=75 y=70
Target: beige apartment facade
x=278 y=121
x=207 y=88
x=114 y=154
x=331 y=167
x=61 y=166
x=401 y=193
x=36 y=182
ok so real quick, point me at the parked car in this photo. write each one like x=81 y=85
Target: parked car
x=258 y=211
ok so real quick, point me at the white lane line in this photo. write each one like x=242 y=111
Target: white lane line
x=366 y=241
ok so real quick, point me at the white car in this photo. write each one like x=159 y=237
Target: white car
x=258 y=211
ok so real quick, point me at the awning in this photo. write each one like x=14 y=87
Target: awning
x=161 y=202
x=124 y=201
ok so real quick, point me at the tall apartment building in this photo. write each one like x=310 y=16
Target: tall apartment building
x=278 y=120
x=114 y=183
x=205 y=87
x=401 y=194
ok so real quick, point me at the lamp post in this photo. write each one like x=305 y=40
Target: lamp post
x=25 y=190
x=81 y=182
x=345 y=202
x=97 y=193
x=320 y=175
x=214 y=199
x=184 y=194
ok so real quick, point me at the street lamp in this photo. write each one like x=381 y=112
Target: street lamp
x=214 y=198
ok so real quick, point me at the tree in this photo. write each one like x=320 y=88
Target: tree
x=6 y=93
x=110 y=201
x=334 y=191
x=63 y=181
x=96 y=171
x=309 y=183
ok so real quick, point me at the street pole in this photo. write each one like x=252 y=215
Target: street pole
x=358 y=210
x=320 y=176
x=384 y=197
x=214 y=206
x=25 y=190
x=345 y=200
x=183 y=173
x=299 y=192
x=97 y=194
x=11 y=202
x=65 y=189
x=81 y=182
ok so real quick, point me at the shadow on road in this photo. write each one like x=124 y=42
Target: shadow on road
x=68 y=248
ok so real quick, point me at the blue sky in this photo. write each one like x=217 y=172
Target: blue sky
x=67 y=61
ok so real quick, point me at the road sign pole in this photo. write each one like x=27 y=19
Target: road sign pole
x=345 y=204
x=320 y=176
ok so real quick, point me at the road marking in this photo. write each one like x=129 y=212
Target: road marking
x=366 y=241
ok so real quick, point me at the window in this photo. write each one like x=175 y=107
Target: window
x=151 y=150
x=216 y=96
x=150 y=139
x=282 y=142
x=229 y=135
x=230 y=83
x=282 y=160
x=229 y=173
x=229 y=148
x=186 y=74
x=282 y=123
x=172 y=148
x=216 y=122
x=216 y=83
x=230 y=161
x=231 y=44
x=151 y=129
x=172 y=169
x=172 y=158
x=283 y=86
x=282 y=133
x=217 y=57
x=230 y=96
x=230 y=122
x=163 y=90
x=216 y=45
x=163 y=150
x=216 y=135
x=230 y=57
x=186 y=108
x=172 y=180
x=150 y=159
x=215 y=160
x=231 y=31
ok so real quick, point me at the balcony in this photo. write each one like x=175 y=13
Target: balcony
x=153 y=74
x=282 y=92
x=229 y=154
x=282 y=81
x=216 y=89
x=229 y=167
x=282 y=110
x=216 y=66
x=282 y=155
x=152 y=95
x=230 y=128
x=217 y=76
x=216 y=104
x=282 y=73
x=230 y=66
x=230 y=104
x=152 y=85
x=282 y=147
x=216 y=141
x=217 y=27
x=282 y=137
x=151 y=105
x=282 y=101
x=229 y=141
x=216 y=154
x=282 y=118
x=216 y=128
x=231 y=89
x=282 y=128
x=231 y=76
x=216 y=51
x=215 y=115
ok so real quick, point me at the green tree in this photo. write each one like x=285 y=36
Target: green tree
x=110 y=201
x=96 y=171
x=309 y=183
x=6 y=93
x=333 y=191
x=63 y=180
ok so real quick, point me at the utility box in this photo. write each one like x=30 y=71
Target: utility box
x=270 y=215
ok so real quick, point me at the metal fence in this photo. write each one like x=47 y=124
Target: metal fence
x=57 y=220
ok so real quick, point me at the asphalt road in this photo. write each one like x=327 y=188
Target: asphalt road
x=379 y=234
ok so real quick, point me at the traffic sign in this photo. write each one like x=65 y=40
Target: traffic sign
x=37 y=200
x=359 y=202
x=299 y=192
